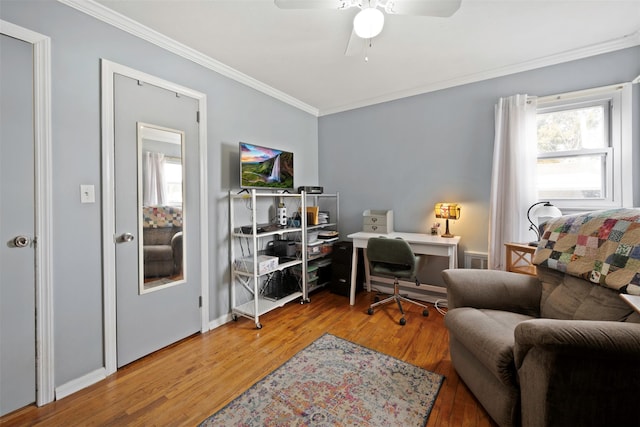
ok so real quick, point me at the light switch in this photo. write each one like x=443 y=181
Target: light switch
x=87 y=194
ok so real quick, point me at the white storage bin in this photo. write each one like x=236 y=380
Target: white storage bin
x=266 y=264
x=377 y=221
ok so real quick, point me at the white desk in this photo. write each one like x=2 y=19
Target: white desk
x=422 y=244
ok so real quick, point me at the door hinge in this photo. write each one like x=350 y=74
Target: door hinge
x=198 y=116
x=200 y=301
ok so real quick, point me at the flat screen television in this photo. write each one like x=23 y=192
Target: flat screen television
x=265 y=167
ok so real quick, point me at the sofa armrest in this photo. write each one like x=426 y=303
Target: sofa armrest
x=574 y=372
x=596 y=338
x=493 y=289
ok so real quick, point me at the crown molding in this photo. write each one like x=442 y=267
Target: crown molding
x=630 y=40
x=135 y=28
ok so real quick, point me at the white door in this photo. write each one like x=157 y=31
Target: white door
x=17 y=225
x=158 y=274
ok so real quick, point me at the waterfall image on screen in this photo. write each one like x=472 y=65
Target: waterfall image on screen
x=264 y=167
x=275 y=170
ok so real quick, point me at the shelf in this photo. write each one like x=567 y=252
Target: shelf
x=280 y=268
x=280 y=232
x=319 y=226
x=264 y=305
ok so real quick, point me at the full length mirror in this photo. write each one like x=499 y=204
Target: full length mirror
x=161 y=207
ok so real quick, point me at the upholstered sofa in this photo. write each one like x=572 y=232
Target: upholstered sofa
x=562 y=348
x=162 y=241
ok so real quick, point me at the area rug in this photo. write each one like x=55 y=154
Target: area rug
x=334 y=382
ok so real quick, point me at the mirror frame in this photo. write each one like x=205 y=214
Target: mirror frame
x=142 y=289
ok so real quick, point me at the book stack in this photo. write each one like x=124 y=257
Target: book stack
x=323 y=217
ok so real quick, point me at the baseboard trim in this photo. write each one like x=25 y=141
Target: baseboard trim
x=79 y=383
x=226 y=318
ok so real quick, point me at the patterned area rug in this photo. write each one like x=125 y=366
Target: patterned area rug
x=334 y=382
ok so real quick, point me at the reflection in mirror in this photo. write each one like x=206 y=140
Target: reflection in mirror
x=160 y=207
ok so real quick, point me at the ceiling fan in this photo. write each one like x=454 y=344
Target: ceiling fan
x=368 y=23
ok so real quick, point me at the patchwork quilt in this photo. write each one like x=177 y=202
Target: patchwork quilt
x=161 y=216
x=602 y=247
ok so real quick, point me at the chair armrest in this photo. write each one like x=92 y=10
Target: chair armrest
x=578 y=337
x=574 y=372
x=176 y=247
x=493 y=289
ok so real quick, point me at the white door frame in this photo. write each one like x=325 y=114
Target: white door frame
x=108 y=70
x=44 y=206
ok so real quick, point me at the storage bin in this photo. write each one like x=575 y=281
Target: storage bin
x=377 y=221
x=312 y=236
x=266 y=264
x=326 y=248
x=311 y=250
x=312 y=271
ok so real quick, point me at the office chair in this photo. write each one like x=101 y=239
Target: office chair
x=393 y=258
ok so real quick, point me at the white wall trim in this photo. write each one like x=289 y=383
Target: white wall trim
x=124 y=23
x=135 y=28
x=44 y=207
x=78 y=384
x=216 y=323
x=108 y=71
x=624 y=42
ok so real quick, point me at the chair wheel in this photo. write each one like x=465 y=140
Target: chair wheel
x=403 y=321
x=370 y=311
x=376 y=298
x=258 y=325
x=425 y=312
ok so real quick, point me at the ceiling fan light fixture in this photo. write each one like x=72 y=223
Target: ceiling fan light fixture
x=368 y=23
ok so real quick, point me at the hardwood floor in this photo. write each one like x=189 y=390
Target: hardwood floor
x=186 y=382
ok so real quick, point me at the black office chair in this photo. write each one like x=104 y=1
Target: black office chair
x=393 y=258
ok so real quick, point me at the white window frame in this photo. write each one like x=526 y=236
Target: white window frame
x=619 y=160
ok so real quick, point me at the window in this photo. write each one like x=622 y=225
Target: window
x=173 y=180
x=584 y=146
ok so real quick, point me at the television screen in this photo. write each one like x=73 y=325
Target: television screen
x=264 y=167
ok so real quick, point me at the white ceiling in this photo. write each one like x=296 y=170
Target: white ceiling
x=299 y=54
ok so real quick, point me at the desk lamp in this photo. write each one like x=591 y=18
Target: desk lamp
x=447 y=210
x=547 y=210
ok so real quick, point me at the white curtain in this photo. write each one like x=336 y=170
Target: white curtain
x=153 y=193
x=513 y=175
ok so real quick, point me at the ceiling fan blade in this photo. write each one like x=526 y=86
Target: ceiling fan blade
x=355 y=46
x=311 y=4
x=440 y=8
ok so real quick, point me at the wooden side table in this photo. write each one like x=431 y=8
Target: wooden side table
x=520 y=258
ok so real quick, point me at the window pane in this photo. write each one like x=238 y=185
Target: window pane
x=579 y=177
x=574 y=129
x=173 y=181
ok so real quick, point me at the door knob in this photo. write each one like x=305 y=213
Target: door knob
x=125 y=237
x=21 y=241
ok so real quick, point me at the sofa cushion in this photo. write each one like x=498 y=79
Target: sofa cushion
x=571 y=298
x=159 y=236
x=158 y=253
x=488 y=334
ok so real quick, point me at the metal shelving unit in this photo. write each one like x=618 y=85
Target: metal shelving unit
x=254 y=281
x=330 y=203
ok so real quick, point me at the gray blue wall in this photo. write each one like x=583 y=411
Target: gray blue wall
x=409 y=154
x=404 y=155
x=235 y=113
